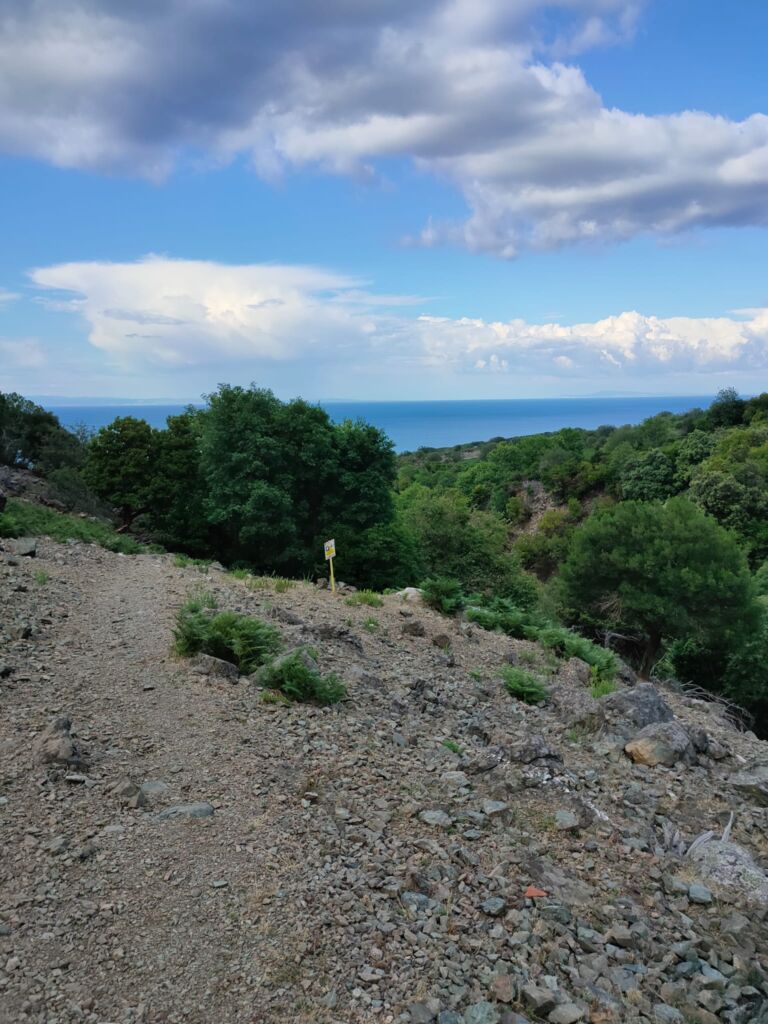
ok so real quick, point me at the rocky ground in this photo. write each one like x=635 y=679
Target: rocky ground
x=174 y=848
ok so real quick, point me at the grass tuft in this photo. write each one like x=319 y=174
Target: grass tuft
x=523 y=685
x=367 y=597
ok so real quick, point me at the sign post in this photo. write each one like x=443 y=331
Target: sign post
x=330 y=554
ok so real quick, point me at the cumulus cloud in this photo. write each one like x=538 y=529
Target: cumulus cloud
x=182 y=313
x=478 y=91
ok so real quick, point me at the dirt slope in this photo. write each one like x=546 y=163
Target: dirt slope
x=353 y=868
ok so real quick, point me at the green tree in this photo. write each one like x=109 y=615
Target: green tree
x=177 y=493
x=658 y=572
x=650 y=476
x=122 y=464
x=33 y=438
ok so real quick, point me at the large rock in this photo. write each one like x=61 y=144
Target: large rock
x=57 y=745
x=663 y=743
x=729 y=870
x=26 y=546
x=752 y=785
x=635 y=708
x=207 y=665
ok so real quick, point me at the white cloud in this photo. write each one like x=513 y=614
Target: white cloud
x=160 y=312
x=473 y=90
x=6 y=296
x=20 y=354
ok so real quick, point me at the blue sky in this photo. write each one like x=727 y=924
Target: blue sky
x=485 y=199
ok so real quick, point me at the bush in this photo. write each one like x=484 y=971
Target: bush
x=296 y=677
x=568 y=644
x=443 y=594
x=246 y=642
x=367 y=597
x=23 y=519
x=523 y=685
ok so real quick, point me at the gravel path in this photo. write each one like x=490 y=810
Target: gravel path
x=353 y=868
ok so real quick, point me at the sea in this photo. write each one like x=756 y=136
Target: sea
x=441 y=424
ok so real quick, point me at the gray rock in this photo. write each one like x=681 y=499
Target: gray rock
x=494 y=906
x=752 y=785
x=566 y=821
x=493 y=808
x=637 y=707
x=449 y=1017
x=198 y=810
x=207 y=665
x=436 y=818
x=664 y=1014
x=541 y=1000
x=154 y=788
x=482 y=1013
x=699 y=894
x=566 y=1013
x=424 y=1013
x=663 y=743
x=24 y=546
x=731 y=873
x=535 y=748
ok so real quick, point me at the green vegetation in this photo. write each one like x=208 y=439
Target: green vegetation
x=184 y=561
x=453 y=746
x=601 y=686
x=41 y=577
x=239 y=639
x=23 y=519
x=523 y=685
x=295 y=676
x=647 y=540
x=371 y=624
x=367 y=597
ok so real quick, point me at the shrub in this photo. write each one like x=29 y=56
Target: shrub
x=23 y=519
x=523 y=685
x=367 y=597
x=566 y=643
x=295 y=676
x=246 y=642
x=443 y=594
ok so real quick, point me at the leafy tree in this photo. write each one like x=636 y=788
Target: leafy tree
x=658 y=572
x=727 y=409
x=649 y=477
x=463 y=543
x=33 y=438
x=121 y=466
x=177 y=492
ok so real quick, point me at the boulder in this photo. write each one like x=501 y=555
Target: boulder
x=731 y=873
x=663 y=743
x=635 y=708
x=411 y=595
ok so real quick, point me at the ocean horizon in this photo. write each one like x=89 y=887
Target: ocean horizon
x=439 y=424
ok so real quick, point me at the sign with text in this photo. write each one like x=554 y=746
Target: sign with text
x=330 y=549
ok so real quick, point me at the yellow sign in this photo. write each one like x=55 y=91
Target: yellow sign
x=330 y=554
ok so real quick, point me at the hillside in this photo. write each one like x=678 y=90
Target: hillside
x=349 y=865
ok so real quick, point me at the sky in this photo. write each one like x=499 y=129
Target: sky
x=381 y=199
